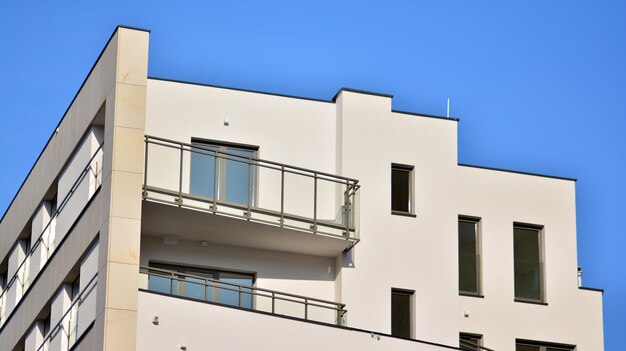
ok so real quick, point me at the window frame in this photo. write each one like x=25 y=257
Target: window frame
x=223 y=146
x=411 y=198
x=190 y=269
x=542 y=270
x=543 y=346
x=411 y=295
x=470 y=336
x=479 y=257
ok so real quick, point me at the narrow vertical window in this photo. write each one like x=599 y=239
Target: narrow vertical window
x=469 y=256
x=528 y=262
x=401 y=313
x=401 y=189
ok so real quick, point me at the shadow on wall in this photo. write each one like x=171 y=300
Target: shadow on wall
x=266 y=264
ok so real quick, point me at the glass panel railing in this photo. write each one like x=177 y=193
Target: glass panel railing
x=235 y=292
x=237 y=184
x=90 y=179
x=66 y=331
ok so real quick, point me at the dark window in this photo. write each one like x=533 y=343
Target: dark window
x=469 y=256
x=401 y=311
x=46 y=325
x=229 y=174
x=528 y=263
x=401 y=188
x=470 y=342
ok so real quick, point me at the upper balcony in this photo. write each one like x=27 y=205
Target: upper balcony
x=258 y=203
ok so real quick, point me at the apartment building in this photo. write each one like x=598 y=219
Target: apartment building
x=166 y=215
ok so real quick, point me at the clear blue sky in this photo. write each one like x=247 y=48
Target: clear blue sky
x=540 y=86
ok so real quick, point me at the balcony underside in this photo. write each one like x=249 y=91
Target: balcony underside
x=161 y=219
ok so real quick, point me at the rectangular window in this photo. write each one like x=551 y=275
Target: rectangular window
x=203 y=284
x=469 y=256
x=470 y=342
x=401 y=189
x=527 y=345
x=528 y=262
x=401 y=313
x=231 y=174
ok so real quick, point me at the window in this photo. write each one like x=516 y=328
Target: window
x=234 y=177
x=528 y=262
x=470 y=342
x=469 y=256
x=527 y=345
x=221 y=288
x=401 y=189
x=401 y=313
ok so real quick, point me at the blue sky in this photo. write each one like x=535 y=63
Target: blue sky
x=540 y=86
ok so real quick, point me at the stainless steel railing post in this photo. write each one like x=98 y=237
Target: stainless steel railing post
x=180 y=178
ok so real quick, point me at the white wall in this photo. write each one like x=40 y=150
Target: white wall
x=201 y=326
x=396 y=251
x=292 y=131
x=571 y=316
x=359 y=136
x=293 y=273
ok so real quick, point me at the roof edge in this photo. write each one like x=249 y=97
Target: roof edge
x=236 y=89
x=591 y=289
x=518 y=172
x=359 y=91
x=418 y=114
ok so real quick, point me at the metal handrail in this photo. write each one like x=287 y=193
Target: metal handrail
x=39 y=240
x=349 y=195
x=166 y=142
x=468 y=345
x=339 y=308
x=57 y=326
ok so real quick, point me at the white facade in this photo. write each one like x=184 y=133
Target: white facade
x=292 y=238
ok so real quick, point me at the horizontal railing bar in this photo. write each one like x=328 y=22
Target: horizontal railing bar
x=474 y=346
x=173 y=275
x=289 y=216
x=252 y=161
x=258 y=220
x=78 y=300
x=293 y=217
x=58 y=210
x=149 y=139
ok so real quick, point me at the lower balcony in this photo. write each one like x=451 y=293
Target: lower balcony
x=237 y=290
x=227 y=196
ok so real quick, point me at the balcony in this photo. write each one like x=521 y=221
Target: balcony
x=257 y=203
x=226 y=293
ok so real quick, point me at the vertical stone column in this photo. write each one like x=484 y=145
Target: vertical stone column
x=118 y=263
x=34 y=337
x=14 y=293
x=59 y=340
x=39 y=224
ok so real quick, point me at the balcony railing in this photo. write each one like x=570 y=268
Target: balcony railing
x=267 y=192
x=47 y=242
x=467 y=345
x=218 y=291
x=66 y=329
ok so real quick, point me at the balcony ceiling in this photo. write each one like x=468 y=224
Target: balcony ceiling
x=160 y=219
